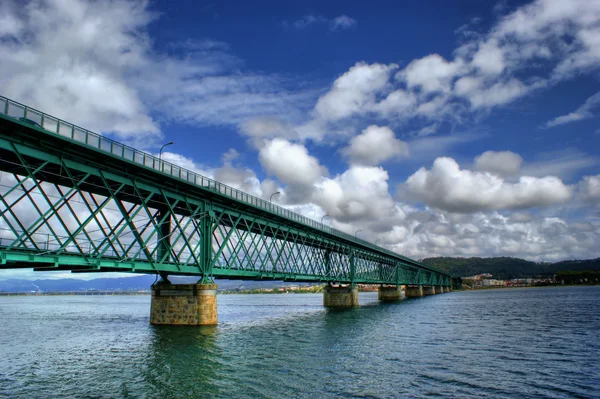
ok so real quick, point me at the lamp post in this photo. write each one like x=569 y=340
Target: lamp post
x=323 y=217
x=275 y=193
x=161 y=148
x=355 y=234
x=379 y=239
x=162 y=164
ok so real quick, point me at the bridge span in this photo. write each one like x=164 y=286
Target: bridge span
x=74 y=200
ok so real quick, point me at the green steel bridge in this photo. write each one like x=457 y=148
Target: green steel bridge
x=71 y=199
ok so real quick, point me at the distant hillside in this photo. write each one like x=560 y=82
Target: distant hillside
x=508 y=268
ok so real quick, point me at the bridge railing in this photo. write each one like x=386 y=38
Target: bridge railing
x=54 y=125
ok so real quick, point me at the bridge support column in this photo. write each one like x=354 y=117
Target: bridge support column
x=340 y=297
x=389 y=294
x=414 y=292
x=428 y=290
x=184 y=304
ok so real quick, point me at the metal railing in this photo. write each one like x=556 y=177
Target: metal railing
x=53 y=125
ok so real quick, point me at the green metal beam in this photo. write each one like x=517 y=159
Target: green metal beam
x=132 y=217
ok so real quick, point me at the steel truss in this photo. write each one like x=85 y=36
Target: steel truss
x=66 y=207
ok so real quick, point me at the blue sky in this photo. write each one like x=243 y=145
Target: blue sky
x=465 y=128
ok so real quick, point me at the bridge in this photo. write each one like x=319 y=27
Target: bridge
x=74 y=200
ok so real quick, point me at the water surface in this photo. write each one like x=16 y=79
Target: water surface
x=513 y=343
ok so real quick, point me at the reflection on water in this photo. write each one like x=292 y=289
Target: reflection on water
x=502 y=343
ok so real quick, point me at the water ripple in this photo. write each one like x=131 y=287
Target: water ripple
x=518 y=343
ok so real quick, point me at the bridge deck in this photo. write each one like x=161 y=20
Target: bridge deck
x=104 y=206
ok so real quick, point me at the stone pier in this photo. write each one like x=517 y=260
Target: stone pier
x=428 y=290
x=389 y=294
x=414 y=292
x=184 y=304
x=340 y=297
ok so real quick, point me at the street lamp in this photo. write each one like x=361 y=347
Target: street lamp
x=161 y=148
x=379 y=239
x=355 y=234
x=275 y=193
x=323 y=217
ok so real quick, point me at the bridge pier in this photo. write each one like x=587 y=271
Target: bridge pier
x=389 y=294
x=414 y=292
x=340 y=297
x=184 y=304
x=428 y=290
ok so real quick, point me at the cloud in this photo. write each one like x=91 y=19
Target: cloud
x=97 y=60
x=376 y=144
x=432 y=233
x=428 y=130
x=290 y=162
x=79 y=55
x=267 y=127
x=341 y=22
x=589 y=189
x=354 y=92
x=430 y=74
x=585 y=111
x=452 y=189
x=529 y=49
x=564 y=164
x=502 y=163
x=360 y=194
x=304 y=22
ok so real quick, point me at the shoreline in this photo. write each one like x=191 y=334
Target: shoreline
x=254 y=292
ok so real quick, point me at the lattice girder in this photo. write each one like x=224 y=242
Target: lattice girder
x=59 y=211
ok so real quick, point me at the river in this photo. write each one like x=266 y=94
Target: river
x=509 y=343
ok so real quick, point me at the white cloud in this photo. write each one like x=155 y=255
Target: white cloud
x=342 y=22
x=448 y=187
x=376 y=144
x=428 y=130
x=94 y=64
x=489 y=58
x=433 y=233
x=354 y=92
x=79 y=55
x=291 y=163
x=269 y=127
x=501 y=163
x=499 y=93
x=564 y=164
x=529 y=49
x=589 y=188
x=585 y=111
x=569 y=27
x=304 y=22
x=431 y=73
x=359 y=194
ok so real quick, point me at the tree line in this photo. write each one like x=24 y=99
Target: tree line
x=506 y=268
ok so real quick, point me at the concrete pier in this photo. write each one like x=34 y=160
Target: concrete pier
x=184 y=304
x=389 y=294
x=414 y=292
x=428 y=290
x=340 y=297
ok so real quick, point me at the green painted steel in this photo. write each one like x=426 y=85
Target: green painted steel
x=75 y=200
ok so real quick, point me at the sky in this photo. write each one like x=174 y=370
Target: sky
x=464 y=128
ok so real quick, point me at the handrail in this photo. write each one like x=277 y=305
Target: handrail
x=50 y=124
